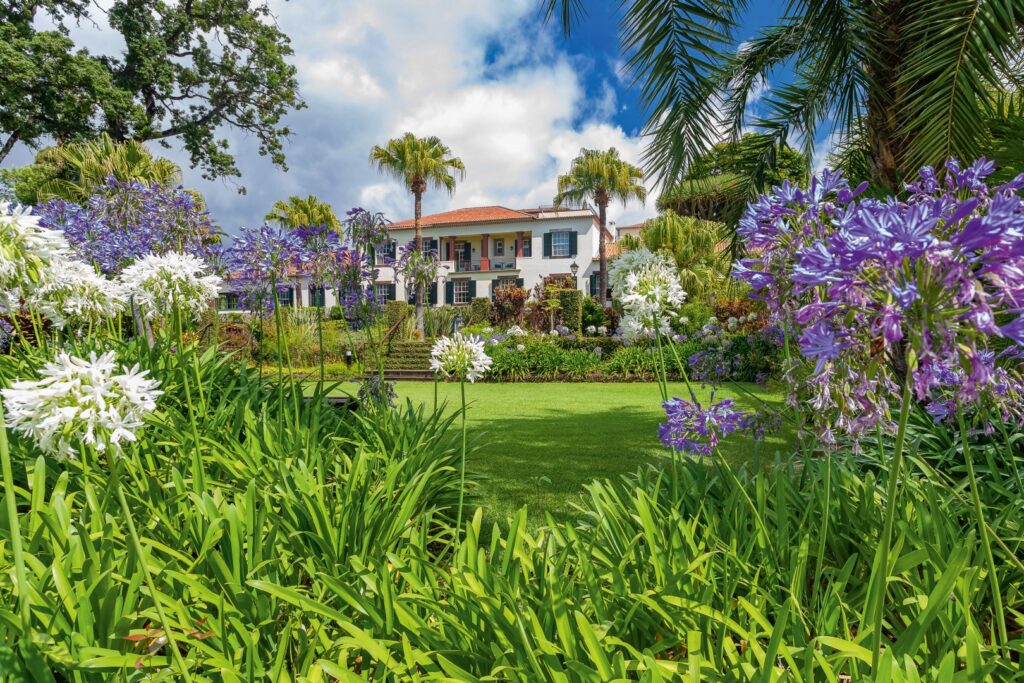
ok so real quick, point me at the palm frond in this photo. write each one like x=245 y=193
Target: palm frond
x=959 y=50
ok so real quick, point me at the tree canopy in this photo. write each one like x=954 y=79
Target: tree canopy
x=188 y=70
x=419 y=163
x=299 y=212
x=914 y=77
x=719 y=183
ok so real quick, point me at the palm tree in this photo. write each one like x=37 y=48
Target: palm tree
x=700 y=249
x=419 y=163
x=602 y=176
x=913 y=77
x=298 y=212
x=80 y=167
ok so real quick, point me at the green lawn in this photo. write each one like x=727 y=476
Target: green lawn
x=539 y=443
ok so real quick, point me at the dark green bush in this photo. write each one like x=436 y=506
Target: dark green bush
x=480 y=311
x=394 y=312
x=593 y=313
x=572 y=309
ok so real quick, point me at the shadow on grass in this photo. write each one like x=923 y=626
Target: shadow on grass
x=544 y=461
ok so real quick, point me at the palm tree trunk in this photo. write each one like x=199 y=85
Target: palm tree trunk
x=602 y=252
x=419 y=245
x=883 y=98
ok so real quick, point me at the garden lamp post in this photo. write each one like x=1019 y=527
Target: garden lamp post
x=574 y=268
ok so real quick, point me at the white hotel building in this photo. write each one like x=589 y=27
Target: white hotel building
x=481 y=249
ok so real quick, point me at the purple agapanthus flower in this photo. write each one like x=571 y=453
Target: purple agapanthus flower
x=691 y=428
x=124 y=221
x=882 y=293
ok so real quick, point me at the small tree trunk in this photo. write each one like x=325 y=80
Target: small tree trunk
x=419 y=245
x=602 y=252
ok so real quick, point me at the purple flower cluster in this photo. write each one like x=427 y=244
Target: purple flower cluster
x=883 y=293
x=691 y=428
x=417 y=268
x=261 y=259
x=366 y=230
x=123 y=221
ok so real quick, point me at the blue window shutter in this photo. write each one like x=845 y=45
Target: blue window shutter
x=573 y=238
x=593 y=284
x=433 y=244
x=391 y=292
x=519 y=282
x=472 y=289
x=432 y=299
x=547 y=245
x=449 y=293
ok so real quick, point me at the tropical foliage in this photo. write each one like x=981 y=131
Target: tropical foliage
x=76 y=171
x=913 y=80
x=303 y=212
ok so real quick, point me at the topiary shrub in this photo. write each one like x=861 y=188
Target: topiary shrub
x=571 y=309
x=480 y=311
x=395 y=312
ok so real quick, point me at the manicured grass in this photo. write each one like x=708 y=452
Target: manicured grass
x=539 y=443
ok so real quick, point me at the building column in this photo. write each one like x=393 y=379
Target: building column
x=519 y=244
x=485 y=253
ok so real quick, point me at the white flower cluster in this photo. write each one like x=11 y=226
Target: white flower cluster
x=160 y=282
x=460 y=357
x=28 y=252
x=516 y=331
x=652 y=294
x=591 y=330
x=77 y=295
x=631 y=262
x=87 y=401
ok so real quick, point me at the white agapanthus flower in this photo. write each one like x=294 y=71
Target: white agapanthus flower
x=631 y=262
x=81 y=401
x=75 y=294
x=460 y=357
x=520 y=347
x=516 y=331
x=158 y=282
x=27 y=251
x=652 y=294
x=553 y=333
x=602 y=330
x=591 y=330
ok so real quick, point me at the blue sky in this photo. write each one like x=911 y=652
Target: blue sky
x=511 y=96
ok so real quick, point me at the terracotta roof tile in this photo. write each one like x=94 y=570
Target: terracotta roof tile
x=479 y=214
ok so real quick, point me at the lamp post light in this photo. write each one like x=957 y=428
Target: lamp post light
x=574 y=268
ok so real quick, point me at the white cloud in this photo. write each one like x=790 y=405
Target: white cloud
x=486 y=76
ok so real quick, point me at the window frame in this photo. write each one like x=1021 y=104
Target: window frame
x=381 y=296
x=527 y=243
x=557 y=253
x=462 y=285
x=499 y=246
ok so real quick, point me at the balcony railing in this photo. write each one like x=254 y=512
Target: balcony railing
x=497 y=263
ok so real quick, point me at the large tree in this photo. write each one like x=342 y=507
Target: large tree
x=298 y=212
x=188 y=70
x=419 y=163
x=913 y=77
x=603 y=176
